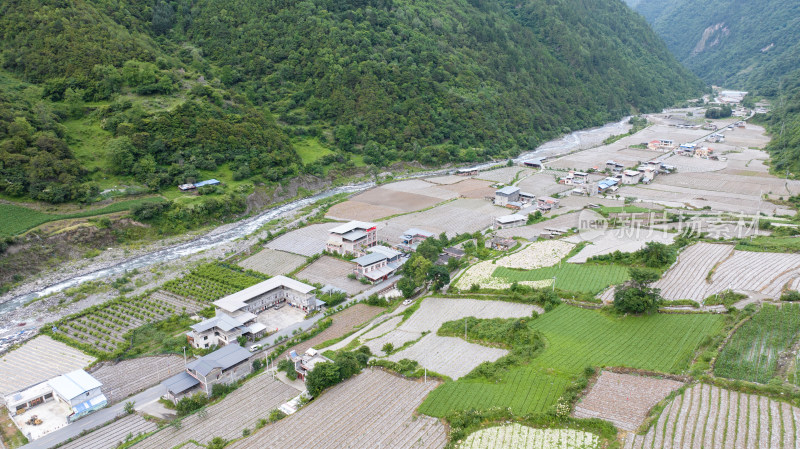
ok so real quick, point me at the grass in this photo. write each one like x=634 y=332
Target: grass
x=770 y=244
x=11 y=436
x=577 y=338
x=87 y=140
x=752 y=353
x=15 y=219
x=585 y=278
x=310 y=149
x=163 y=337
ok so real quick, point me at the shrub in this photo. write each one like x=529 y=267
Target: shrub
x=790 y=295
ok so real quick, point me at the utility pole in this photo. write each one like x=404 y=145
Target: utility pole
x=554 y=283
x=184 y=357
x=465 y=328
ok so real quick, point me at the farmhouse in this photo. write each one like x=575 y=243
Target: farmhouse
x=392 y=255
x=547 y=203
x=78 y=391
x=377 y=265
x=223 y=366
x=266 y=294
x=534 y=163
x=631 y=177
x=452 y=251
x=506 y=195
x=411 y=238
x=606 y=184
x=510 y=221
x=352 y=237
x=703 y=152
x=648 y=173
x=502 y=244
x=614 y=166
x=304 y=364
x=576 y=178
x=224 y=329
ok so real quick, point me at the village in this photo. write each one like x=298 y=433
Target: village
x=253 y=327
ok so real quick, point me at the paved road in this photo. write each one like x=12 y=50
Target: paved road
x=94 y=420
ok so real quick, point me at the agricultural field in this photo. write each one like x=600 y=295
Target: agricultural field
x=711 y=417
x=332 y=271
x=433 y=312
x=272 y=262
x=482 y=274
x=240 y=410
x=705 y=269
x=23 y=366
x=623 y=239
x=123 y=379
x=343 y=323
x=455 y=217
x=752 y=352
x=16 y=219
x=471 y=188
x=577 y=338
x=102 y=327
x=113 y=434
x=687 y=278
x=505 y=175
x=623 y=399
x=212 y=281
x=519 y=436
x=540 y=254
x=568 y=220
x=570 y=277
x=544 y=184
x=372 y=409
x=392 y=199
x=306 y=241
x=450 y=356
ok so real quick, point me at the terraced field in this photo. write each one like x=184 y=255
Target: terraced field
x=519 y=436
x=226 y=419
x=687 y=278
x=23 y=366
x=273 y=262
x=121 y=380
x=103 y=326
x=709 y=417
x=577 y=338
x=212 y=281
x=570 y=277
x=623 y=399
x=450 y=356
x=752 y=353
x=113 y=434
x=374 y=409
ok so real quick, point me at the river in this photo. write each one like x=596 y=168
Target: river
x=577 y=140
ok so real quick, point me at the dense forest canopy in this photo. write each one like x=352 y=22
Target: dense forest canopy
x=735 y=43
x=183 y=86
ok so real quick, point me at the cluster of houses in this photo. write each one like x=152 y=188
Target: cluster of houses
x=513 y=198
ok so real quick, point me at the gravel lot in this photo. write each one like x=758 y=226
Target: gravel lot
x=333 y=271
x=24 y=366
x=273 y=262
x=305 y=241
x=123 y=379
x=374 y=409
x=623 y=399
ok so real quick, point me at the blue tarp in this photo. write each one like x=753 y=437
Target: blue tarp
x=210 y=182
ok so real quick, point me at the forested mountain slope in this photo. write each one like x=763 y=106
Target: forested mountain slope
x=172 y=89
x=744 y=44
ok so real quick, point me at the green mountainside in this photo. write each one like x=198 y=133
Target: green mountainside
x=153 y=94
x=735 y=43
x=753 y=46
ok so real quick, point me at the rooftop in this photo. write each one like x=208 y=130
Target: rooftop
x=511 y=218
x=223 y=358
x=180 y=382
x=369 y=259
x=350 y=226
x=508 y=190
x=386 y=251
x=222 y=321
x=236 y=301
x=354 y=235
x=74 y=384
x=416 y=231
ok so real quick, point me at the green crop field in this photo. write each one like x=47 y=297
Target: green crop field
x=587 y=278
x=212 y=281
x=752 y=353
x=18 y=219
x=577 y=338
